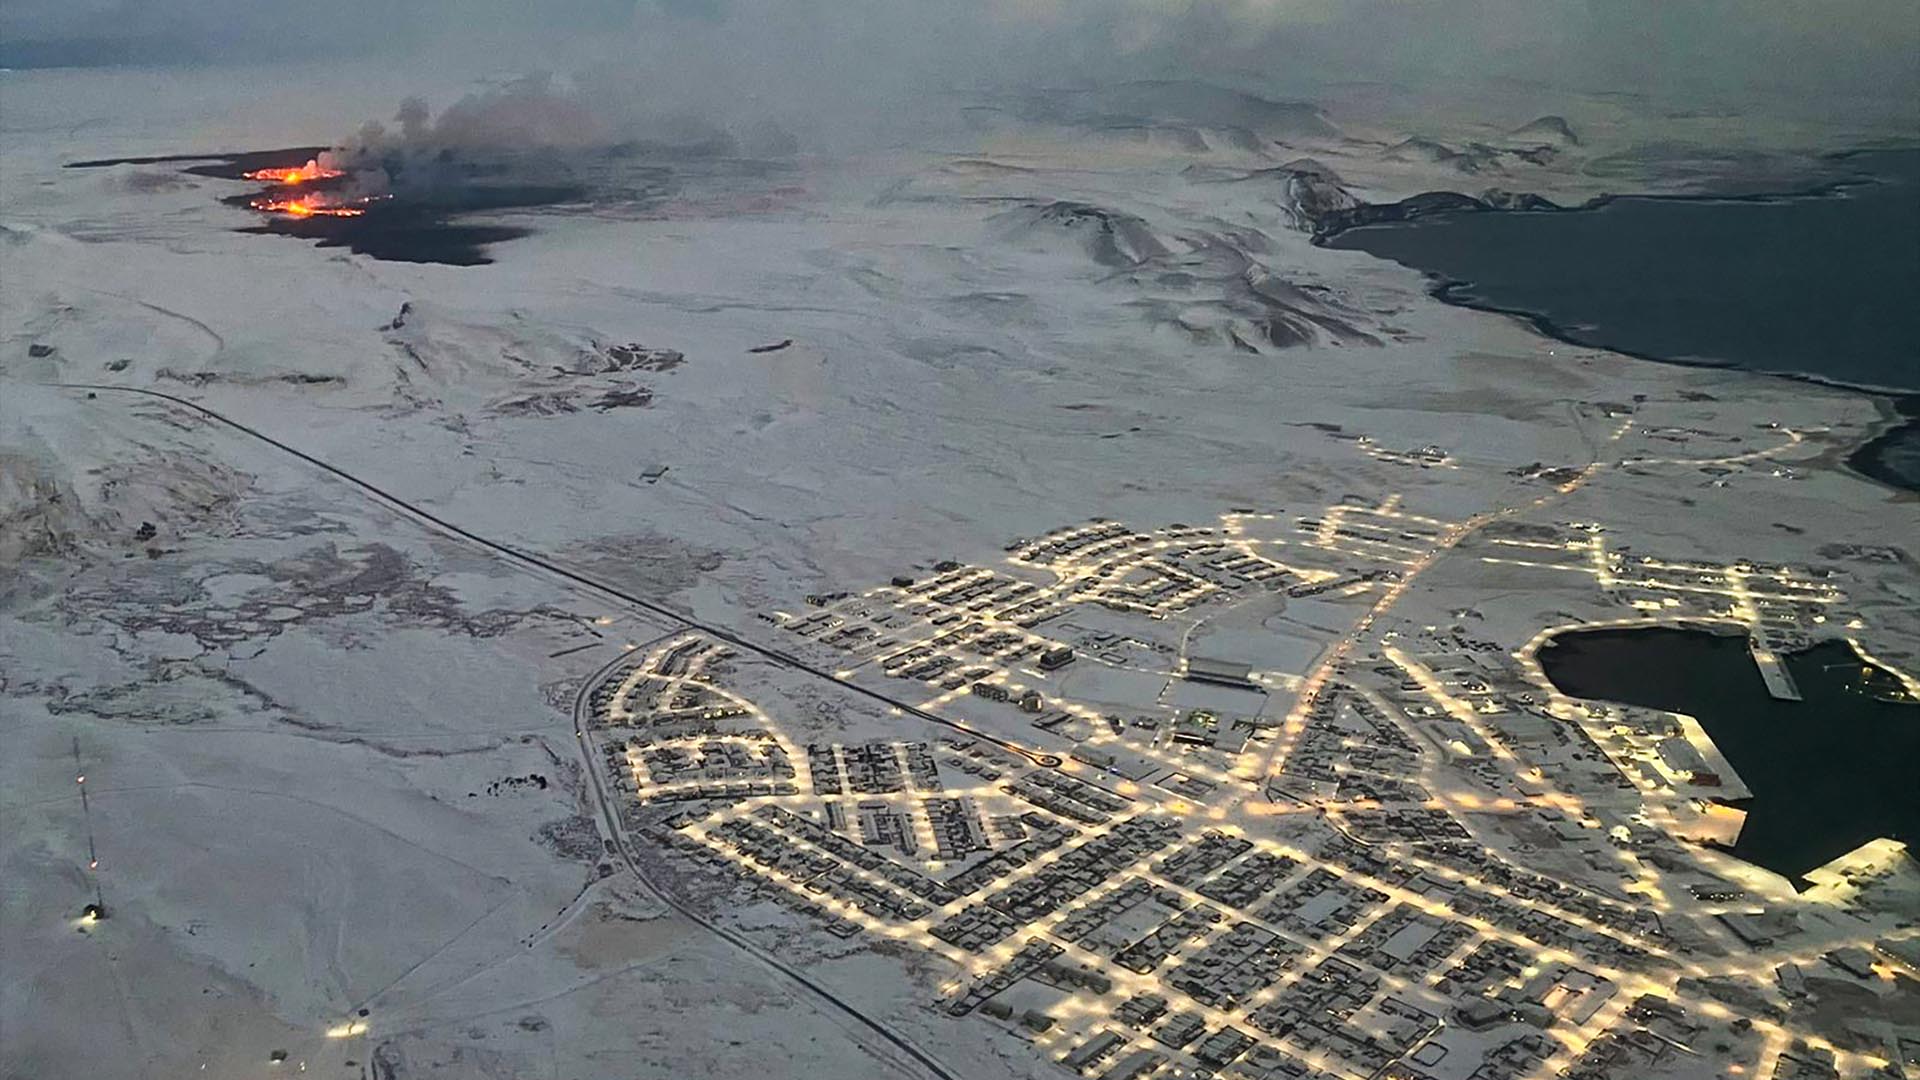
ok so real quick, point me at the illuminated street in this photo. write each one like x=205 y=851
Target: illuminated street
x=1320 y=872
x=959 y=541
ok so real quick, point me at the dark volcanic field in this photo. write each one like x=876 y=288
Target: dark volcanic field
x=396 y=234
x=407 y=228
x=227 y=166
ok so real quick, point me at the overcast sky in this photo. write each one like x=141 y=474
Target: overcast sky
x=1723 y=51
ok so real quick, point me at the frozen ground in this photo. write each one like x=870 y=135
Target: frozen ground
x=329 y=746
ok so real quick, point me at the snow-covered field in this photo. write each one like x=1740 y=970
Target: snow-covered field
x=329 y=750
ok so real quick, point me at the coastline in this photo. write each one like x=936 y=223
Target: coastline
x=1900 y=405
x=1444 y=203
x=1868 y=460
x=1625 y=682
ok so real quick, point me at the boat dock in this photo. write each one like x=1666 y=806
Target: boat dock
x=1774 y=673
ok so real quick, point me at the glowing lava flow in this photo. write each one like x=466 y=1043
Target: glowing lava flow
x=304 y=208
x=299 y=174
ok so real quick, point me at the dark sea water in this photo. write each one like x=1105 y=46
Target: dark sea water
x=1828 y=773
x=1819 y=285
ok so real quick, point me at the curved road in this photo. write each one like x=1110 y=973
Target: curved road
x=581 y=729
x=583 y=732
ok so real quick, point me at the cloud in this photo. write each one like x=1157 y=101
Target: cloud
x=818 y=55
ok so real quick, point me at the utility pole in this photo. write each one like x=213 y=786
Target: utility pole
x=99 y=907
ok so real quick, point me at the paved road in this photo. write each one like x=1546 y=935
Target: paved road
x=1330 y=664
x=581 y=727
x=610 y=813
x=527 y=558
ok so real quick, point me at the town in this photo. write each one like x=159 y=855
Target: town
x=1416 y=859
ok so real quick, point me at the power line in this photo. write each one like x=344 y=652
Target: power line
x=99 y=909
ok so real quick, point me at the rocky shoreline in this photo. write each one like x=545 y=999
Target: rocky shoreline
x=1868 y=460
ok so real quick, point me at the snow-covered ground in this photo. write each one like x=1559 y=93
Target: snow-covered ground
x=329 y=749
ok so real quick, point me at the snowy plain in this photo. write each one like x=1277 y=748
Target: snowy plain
x=308 y=723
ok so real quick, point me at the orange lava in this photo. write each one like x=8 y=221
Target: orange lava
x=304 y=208
x=300 y=174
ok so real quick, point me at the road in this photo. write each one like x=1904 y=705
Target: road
x=614 y=592
x=610 y=814
x=1330 y=663
x=581 y=728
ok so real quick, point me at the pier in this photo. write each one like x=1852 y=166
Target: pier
x=1774 y=673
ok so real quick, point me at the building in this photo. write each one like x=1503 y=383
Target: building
x=1223 y=672
x=1683 y=759
x=1198 y=727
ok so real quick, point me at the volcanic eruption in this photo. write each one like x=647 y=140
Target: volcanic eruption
x=298 y=174
x=315 y=197
x=402 y=193
x=305 y=206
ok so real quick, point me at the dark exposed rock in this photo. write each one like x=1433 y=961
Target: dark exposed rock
x=1419 y=148
x=1547 y=130
x=1426 y=204
x=1109 y=237
x=623 y=397
x=573 y=837
x=400 y=319
x=1497 y=199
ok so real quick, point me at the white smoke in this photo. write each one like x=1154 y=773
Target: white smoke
x=772 y=76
